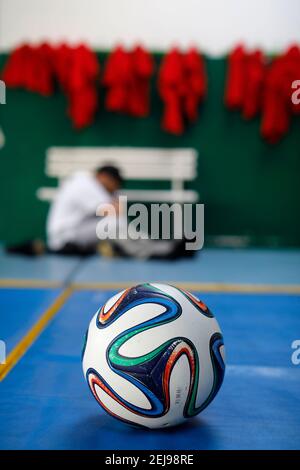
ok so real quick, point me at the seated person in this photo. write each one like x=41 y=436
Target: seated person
x=72 y=221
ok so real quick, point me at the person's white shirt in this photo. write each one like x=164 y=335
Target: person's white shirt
x=77 y=199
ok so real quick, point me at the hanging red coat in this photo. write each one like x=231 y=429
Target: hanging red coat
x=171 y=86
x=277 y=105
x=254 y=82
x=77 y=71
x=84 y=68
x=62 y=64
x=195 y=83
x=236 y=78
x=15 y=69
x=30 y=67
x=117 y=80
x=127 y=80
x=292 y=59
x=139 y=86
x=275 y=114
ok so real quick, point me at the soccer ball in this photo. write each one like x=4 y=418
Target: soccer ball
x=154 y=356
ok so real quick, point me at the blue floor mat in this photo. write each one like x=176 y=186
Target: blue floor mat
x=19 y=311
x=42 y=268
x=45 y=403
x=251 y=266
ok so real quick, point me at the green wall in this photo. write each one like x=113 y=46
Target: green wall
x=249 y=187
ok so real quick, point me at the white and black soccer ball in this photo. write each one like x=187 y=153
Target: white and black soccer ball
x=154 y=356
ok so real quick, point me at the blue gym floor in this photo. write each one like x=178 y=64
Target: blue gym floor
x=45 y=403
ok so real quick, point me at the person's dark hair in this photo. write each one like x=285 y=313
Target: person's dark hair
x=111 y=171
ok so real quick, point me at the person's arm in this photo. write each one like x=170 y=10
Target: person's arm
x=92 y=197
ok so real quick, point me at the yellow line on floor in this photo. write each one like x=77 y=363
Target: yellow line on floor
x=202 y=286
x=15 y=355
x=29 y=283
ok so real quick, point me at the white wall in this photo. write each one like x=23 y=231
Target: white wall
x=214 y=25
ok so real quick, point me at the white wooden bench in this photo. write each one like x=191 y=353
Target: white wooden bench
x=174 y=165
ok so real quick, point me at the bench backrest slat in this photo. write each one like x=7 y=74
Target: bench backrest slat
x=134 y=163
